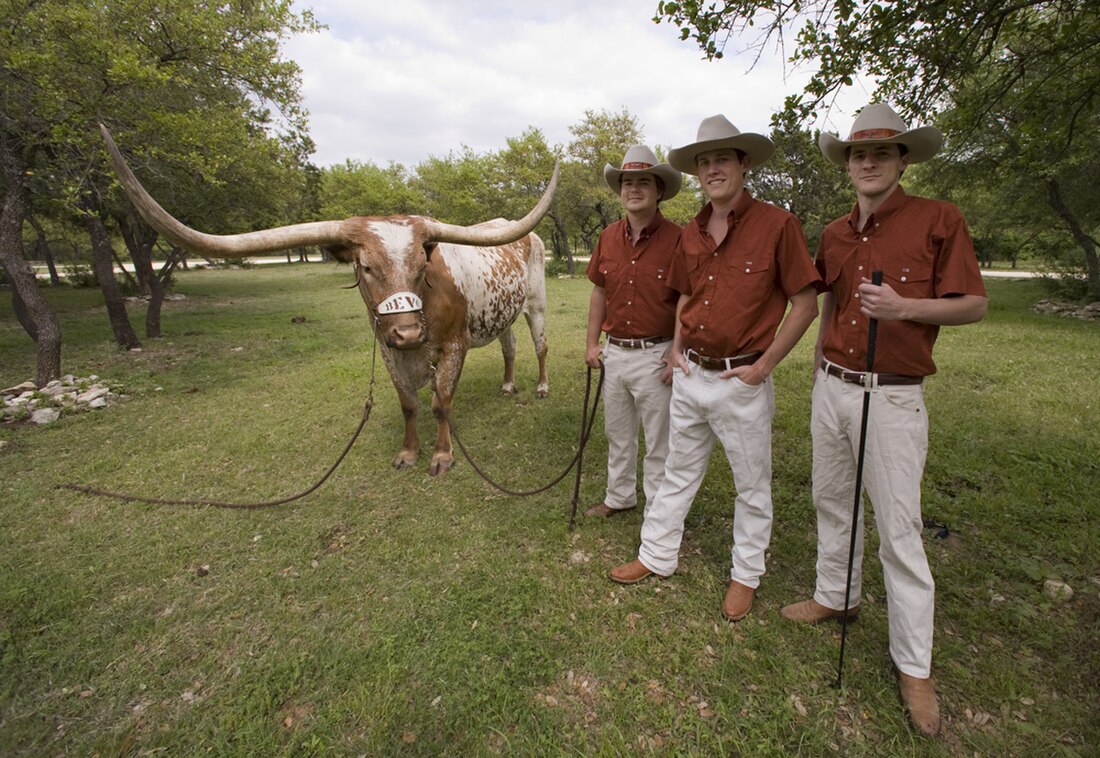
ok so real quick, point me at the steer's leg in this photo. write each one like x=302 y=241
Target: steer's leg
x=446 y=380
x=536 y=319
x=410 y=446
x=508 y=348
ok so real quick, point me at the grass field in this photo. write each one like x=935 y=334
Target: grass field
x=390 y=613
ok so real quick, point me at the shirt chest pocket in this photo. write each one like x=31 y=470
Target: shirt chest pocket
x=653 y=272
x=749 y=276
x=609 y=272
x=749 y=265
x=909 y=278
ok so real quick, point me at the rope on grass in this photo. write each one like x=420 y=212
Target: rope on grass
x=246 y=506
x=588 y=417
x=221 y=504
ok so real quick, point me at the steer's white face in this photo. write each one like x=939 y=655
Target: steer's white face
x=391 y=263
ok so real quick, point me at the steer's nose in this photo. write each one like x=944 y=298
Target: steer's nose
x=405 y=336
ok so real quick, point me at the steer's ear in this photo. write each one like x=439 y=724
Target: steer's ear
x=429 y=248
x=339 y=251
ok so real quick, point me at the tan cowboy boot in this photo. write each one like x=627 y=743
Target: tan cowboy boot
x=812 y=612
x=632 y=573
x=738 y=601
x=919 y=697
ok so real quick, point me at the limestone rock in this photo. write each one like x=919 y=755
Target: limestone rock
x=1057 y=590
x=45 y=416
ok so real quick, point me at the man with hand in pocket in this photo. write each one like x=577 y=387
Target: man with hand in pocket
x=739 y=265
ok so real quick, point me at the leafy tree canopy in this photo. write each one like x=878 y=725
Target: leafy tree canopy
x=917 y=52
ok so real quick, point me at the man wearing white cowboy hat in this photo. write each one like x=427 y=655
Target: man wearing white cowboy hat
x=634 y=305
x=930 y=278
x=739 y=264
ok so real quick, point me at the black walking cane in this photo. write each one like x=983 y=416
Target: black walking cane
x=876 y=279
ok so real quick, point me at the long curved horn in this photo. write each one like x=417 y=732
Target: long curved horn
x=221 y=246
x=496 y=235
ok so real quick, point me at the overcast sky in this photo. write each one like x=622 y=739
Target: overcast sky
x=401 y=80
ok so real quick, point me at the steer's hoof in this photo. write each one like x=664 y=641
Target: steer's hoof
x=508 y=388
x=405 y=459
x=441 y=465
x=543 y=390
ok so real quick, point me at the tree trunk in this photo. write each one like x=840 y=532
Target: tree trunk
x=103 y=265
x=139 y=241
x=25 y=291
x=22 y=315
x=42 y=249
x=559 y=240
x=1092 y=260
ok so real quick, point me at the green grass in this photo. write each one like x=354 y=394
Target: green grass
x=392 y=613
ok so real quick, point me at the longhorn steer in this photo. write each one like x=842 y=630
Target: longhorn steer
x=434 y=290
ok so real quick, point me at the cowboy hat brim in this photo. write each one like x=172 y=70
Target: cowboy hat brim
x=756 y=146
x=672 y=178
x=922 y=143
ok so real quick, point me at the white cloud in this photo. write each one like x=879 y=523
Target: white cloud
x=401 y=81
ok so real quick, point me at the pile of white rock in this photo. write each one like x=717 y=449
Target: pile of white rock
x=1089 y=312
x=28 y=402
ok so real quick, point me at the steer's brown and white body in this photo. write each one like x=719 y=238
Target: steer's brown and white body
x=434 y=290
x=471 y=296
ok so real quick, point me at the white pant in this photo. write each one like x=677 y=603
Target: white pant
x=633 y=394
x=897 y=445
x=706 y=409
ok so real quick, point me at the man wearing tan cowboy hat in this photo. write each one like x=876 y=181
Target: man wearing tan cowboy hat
x=930 y=278
x=634 y=305
x=740 y=262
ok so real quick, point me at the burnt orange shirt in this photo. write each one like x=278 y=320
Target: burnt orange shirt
x=640 y=302
x=739 y=289
x=923 y=249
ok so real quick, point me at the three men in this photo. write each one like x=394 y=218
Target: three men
x=931 y=278
x=739 y=263
x=634 y=305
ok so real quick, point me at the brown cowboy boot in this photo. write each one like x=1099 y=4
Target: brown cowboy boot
x=738 y=601
x=919 y=697
x=812 y=612
x=632 y=573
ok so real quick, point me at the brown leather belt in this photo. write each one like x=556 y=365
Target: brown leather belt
x=860 y=377
x=631 y=343
x=721 y=364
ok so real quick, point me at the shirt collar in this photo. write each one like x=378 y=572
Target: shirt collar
x=889 y=207
x=649 y=230
x=740 y=208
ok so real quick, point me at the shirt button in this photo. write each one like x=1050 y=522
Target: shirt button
x=706 y=302
x=903 y=278
x=864 y=239
x=630 y=282
x=702 y=327
x=860 y=268
x=748 y=271
x=633 y=262
x=631 y=302
x=710 y=277
x=853 y=320
x=851 y=350
x=856 y=295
